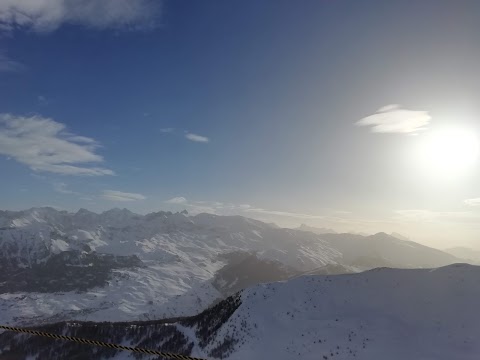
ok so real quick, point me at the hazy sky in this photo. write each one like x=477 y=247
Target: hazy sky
x=309 y=111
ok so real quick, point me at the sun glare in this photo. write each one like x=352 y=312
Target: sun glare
x=449 y=151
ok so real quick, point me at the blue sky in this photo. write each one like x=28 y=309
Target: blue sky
x=249 y=107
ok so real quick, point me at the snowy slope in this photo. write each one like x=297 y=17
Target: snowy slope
x=379 y=314
x=180 y=255
x=181 y=258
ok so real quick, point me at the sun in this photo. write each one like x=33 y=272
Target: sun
x=449 y=151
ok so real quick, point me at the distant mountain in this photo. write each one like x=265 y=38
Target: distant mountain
x=465 y=253
x=331 y=269
x=400 y=236
x=379 y=314
x=315 y=230
x=381 y=249
x=244 y=270
x=119 y=265
x=358 y=233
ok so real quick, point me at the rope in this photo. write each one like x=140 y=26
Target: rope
x=99 y=343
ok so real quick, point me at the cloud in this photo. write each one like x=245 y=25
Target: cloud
x=61 y=188
x=177 y=200
x=48 y=15
x=393 y=119
x=166 y=130
x=330 y=218
x=284 y=213
x=9 y=65
x=472 y=202
x=113 y=195
x=44 y=145
x=422 y=215
x=197 y=138
x=42 y=100
x=87 y=198
x=220 y=208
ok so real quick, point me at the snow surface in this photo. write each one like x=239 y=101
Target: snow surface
x=376 y=315
x=181 y=254
x=395 y=314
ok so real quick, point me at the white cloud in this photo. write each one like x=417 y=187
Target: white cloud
x=283 y=213
x=177 y=200
x=473 y=202
x=393 y=119
x=43 y=145
x=9 y=65
x=166 y=130
x=48 y=15
x=197 y=138
x=113 y=195
x=62 y=188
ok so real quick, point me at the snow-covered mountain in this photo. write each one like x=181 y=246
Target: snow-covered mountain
x=419 y=314
x=117 y=265
x=315 y=230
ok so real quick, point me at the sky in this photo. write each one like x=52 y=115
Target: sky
x=332 y=113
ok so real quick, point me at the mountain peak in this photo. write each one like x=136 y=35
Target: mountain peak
x=399 y=236
x=305 y=227
x=381 y=234
x=117 y=210
x=83 y=211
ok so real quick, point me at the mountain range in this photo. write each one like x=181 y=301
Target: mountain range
x=121 y=266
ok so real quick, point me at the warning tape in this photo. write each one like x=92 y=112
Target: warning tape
x=100 y=343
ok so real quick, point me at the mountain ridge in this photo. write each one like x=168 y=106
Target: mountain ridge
x=166 y=264
x=310 y=317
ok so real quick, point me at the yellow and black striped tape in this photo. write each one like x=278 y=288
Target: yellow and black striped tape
x=99 y=343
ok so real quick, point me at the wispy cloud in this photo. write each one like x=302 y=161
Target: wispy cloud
x=44 y=145
x=166 y=130
x=48 y=15
x=220 y=208
x=42 y=100
x=394 y=119
x=62 y=188
x=196 y=207
x=114 y=195
x=197 y=138
x=177 y=200
x=423 y=215
x=87 y=198
x=9 y=65
x=283 y=213
x=472 y=202
x=340 y=220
